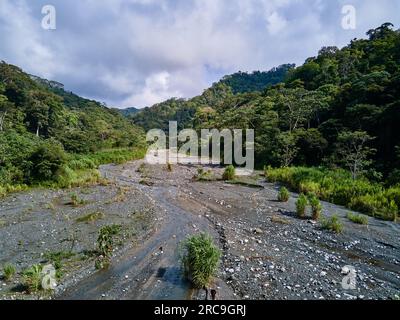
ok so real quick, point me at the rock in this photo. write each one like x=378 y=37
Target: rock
x=258 y=231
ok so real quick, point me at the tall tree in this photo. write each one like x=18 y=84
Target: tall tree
x=353 y=151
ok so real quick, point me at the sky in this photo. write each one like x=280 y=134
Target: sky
x=135 y=53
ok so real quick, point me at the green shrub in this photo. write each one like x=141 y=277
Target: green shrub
x=57 y=258
x=76 y=201
x=91 y=217
x=204 y=175
x=6 y=189
x=301 y=206
x=105 y=240
x=316 y=206
x=200 y=259
x=105 y=244
x=9 y=271
x=69 y=178
x=229 y=173
x=365 y=204
x=393 y=194
x=46 y=161
x=333 y=224
x=33 y=278
x=357 y=218
x=337 y=186
x=283 y=195
x=307 y=187
x=391 y=212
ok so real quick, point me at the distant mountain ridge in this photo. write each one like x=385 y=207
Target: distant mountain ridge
x=242 y=82
x=184 y=110
x=128 y=111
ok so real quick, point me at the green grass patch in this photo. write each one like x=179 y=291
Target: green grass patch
x=332 y=224
x=91 y=217
x=33 y=278
x=357 y=218
x=79 y=170
x=200 y=259
x=283 y=195
x=316 y=207
x=76 y=201
x=105 y=244
x=8 y=188
x=229 y=173
x=301 y=206
x=9 y=271
x=57 y=259
x=203 y=175
x=338 y=187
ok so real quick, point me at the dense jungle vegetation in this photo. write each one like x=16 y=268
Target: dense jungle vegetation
x=339 y=111
x=52 y=137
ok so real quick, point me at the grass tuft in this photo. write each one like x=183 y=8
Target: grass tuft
x=333 y=224
x=9 y=271
x=200 y=259
x=283 y=195
x=357 y=218
x=91 y=217
x=301 y=205
x=229 y=173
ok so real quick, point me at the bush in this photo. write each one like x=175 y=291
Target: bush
x=229 y=173
x=316 y=206
x=332 y=224
x=283 y=195
x=378 y=205
x=307 y=187
x=301 y=206
x=105 y=244
x=204 y=175
x=391 y=212
x=33 y=278
x=9 y=271
x=337 y=186
x=200 y=259
x=69 y=178
x=357 y=218
x=46 y=161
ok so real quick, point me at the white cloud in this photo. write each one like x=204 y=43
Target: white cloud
x=138 y=52
x=156 y=89
x=21 y=38
x=276 y=23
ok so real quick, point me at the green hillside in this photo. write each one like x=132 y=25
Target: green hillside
x=42 y=125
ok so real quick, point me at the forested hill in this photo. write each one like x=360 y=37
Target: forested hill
x=242 y=82
x=128 y=111
x=339 y=99
x=33 y=106
x=40 y=122
x=186 y=111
